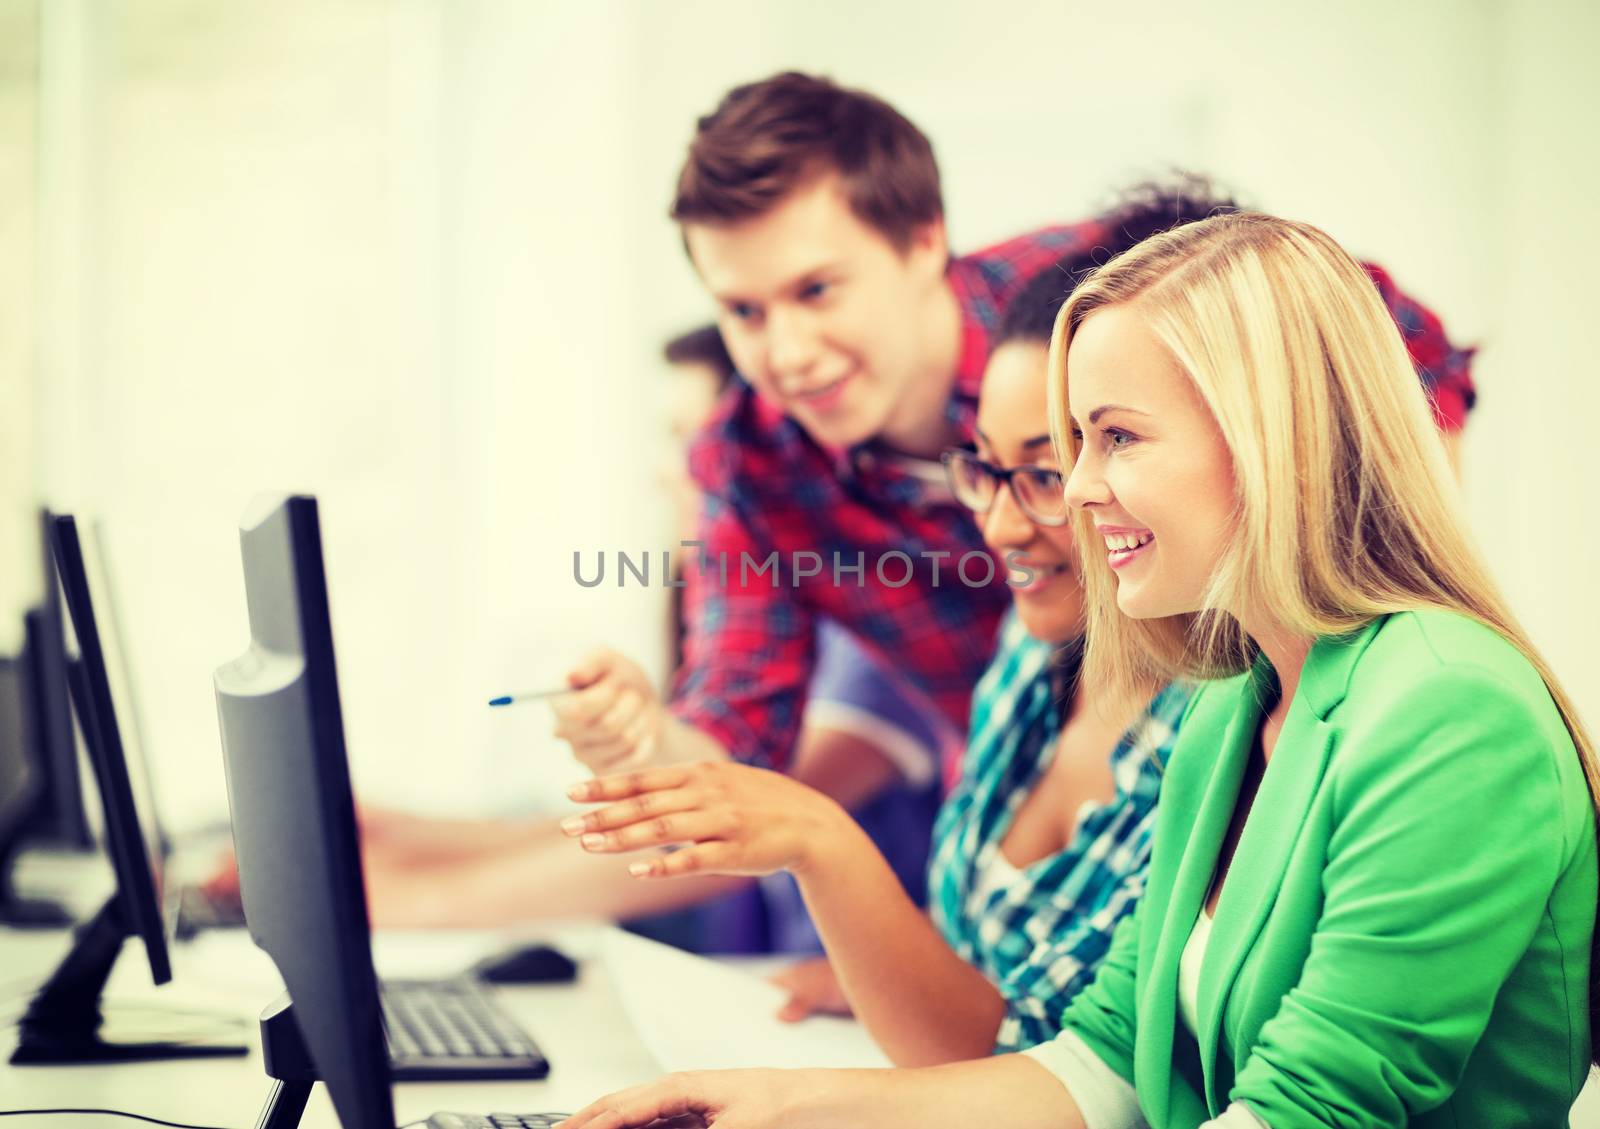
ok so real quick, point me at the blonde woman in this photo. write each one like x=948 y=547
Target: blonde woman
x=1373 y=887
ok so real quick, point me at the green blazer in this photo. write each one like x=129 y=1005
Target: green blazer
x=1403 y=936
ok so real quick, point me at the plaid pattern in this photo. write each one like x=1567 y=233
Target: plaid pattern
x=768 y=487
x=1040 y=937
x=1445 y=370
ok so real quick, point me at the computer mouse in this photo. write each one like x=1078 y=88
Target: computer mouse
x=527 y=964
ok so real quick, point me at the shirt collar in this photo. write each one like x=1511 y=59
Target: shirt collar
x=961 y=409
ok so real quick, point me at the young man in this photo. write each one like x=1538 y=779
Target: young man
x=813 y=216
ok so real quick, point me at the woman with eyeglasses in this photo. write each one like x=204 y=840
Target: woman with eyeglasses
x=1041 y=847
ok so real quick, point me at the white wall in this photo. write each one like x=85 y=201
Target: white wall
x=413 y=256
x=321 y=248
x=19 y=109
x=1533 y=463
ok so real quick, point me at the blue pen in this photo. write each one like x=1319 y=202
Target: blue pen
x=534 y=696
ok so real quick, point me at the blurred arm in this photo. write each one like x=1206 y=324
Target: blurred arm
x=542 y=877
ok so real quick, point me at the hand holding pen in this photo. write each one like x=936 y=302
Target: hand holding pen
x=609 y=712
x=529 y=696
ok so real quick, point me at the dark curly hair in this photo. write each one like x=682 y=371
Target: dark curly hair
x=1141 y=211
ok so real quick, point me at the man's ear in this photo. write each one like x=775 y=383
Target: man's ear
x=930 y=244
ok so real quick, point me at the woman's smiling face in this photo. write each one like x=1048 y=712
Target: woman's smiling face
x=1153 y=470
x=1014 y=430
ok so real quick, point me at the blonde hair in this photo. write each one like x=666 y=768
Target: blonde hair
x=1346 y=508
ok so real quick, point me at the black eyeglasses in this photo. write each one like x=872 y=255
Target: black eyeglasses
x=1039 y=491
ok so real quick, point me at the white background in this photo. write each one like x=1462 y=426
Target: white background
x=413 y=256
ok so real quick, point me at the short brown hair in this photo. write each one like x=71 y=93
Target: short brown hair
x=766 y=138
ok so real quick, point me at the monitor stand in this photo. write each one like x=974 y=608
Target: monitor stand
x=18 y=912
x=288 y=1063
x=62 y=1024
x=32 y=913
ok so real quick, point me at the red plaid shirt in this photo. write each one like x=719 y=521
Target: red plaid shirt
x=1446 y=371
x=769 y=488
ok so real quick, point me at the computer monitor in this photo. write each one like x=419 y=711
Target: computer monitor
x=294 y=827
x=299 y=855
x=41 y=796
x=20 y=782
x=25 y=784
x=41 y=800
x=59 y=818
x=62 y=1024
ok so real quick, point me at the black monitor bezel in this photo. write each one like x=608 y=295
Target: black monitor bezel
x=138 y=883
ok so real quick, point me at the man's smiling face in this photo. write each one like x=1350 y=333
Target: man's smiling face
x=819 y=310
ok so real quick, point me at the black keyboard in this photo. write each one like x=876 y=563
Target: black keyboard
x=441 y=1030
x=495 y=1120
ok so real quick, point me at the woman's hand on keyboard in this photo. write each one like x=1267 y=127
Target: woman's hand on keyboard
x=738 y=1099
x=1009 y=1090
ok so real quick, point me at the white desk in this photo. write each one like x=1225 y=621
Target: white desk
x=581 y=1028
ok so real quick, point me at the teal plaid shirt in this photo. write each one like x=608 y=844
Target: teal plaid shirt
x=1040 y=937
